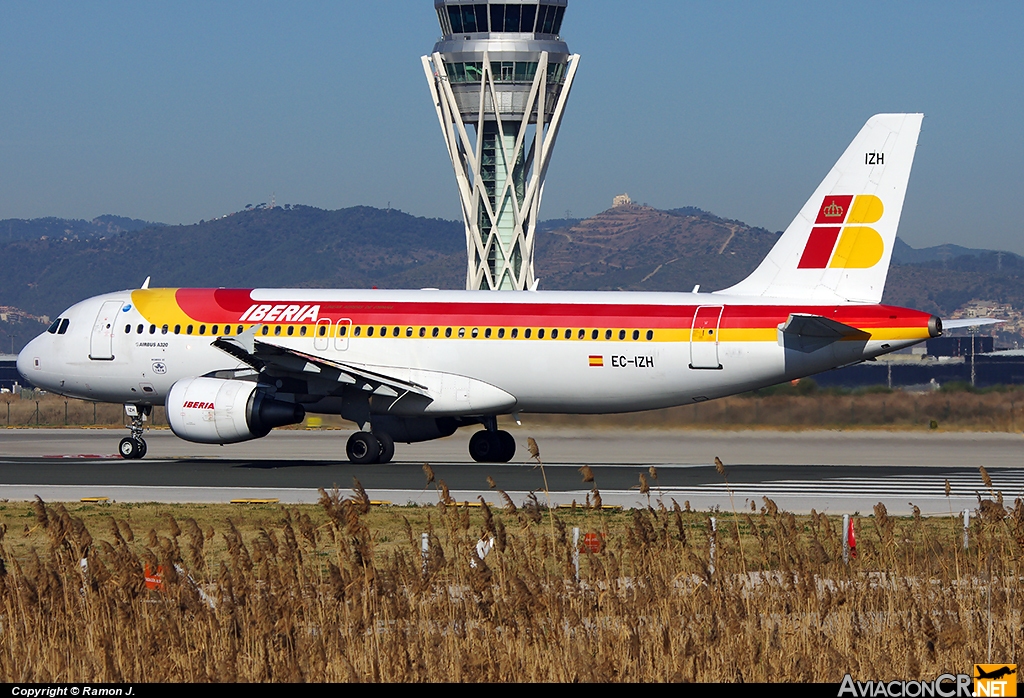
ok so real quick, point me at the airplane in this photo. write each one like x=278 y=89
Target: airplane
x=230 y=365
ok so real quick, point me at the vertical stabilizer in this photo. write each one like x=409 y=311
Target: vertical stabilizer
x=837 y=249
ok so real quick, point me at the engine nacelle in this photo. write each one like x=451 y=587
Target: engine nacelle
x=218 y=411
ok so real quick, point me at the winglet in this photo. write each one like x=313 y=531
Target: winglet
x=145 y=284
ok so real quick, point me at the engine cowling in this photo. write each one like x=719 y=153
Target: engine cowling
x=218 y=411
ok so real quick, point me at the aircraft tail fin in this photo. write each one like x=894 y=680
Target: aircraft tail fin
x=837 y=249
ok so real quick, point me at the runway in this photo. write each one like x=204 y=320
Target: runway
x=836 y=472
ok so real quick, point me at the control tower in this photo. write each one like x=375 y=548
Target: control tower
x=500 y=77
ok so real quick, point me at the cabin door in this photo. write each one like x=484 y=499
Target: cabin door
x=704 y=337
x=101 y=343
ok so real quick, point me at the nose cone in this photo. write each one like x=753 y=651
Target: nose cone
x=28 y=362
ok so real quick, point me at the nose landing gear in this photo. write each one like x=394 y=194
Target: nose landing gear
x=134 y=446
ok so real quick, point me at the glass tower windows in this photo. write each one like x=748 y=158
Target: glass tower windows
x=525 y=18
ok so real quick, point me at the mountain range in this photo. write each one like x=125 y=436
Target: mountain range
x=50 y=263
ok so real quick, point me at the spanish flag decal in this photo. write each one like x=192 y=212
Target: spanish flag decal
x=596 y=360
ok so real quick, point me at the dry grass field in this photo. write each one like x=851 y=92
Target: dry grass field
x=787 y=407
x=344 y=592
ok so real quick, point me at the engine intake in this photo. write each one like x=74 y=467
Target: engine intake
x=218 y=411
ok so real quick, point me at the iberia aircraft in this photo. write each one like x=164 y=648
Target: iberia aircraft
x=409 y=366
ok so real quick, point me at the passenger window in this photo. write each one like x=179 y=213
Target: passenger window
x=265 y=330
x=622 y=334
x=165 y=329
x=369 y=331
x=434 y=332
x=188 y=330
x=527 y=333
x=462 y=332
x=214 y=330
x=423 y=332
x=447 y=331
x=227 y=329
x=277 y=330
x=582 y=334
x=152 y=329
x=202 y=329
x=127 y=329
x=515 y=332
x=636 y=335
x=177 y=329
x=291 y=330
x=554 y=334
x=408 y=332
x=607 y=334
x=395 y=332
x=138 y=330
x=302 y=331
x=358 y=330
x=593 y=335
x=650 y=335
x=343 y=331
x=476 y=333
x=322 y=331
x=383 y=331
x=240 y=330
x=501 y=333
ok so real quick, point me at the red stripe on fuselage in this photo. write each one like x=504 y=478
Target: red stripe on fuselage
x=228 y=306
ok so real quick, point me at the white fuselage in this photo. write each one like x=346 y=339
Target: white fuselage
x=103 y=356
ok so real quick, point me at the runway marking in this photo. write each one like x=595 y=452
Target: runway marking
x=1009 y=482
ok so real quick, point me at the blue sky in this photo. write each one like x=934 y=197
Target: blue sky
x=182 y=111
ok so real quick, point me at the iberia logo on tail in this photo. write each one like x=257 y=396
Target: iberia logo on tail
x=843 y=219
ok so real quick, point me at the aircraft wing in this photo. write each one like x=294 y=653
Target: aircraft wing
x=262 y=355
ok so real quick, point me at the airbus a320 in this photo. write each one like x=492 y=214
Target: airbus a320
x=410 y=366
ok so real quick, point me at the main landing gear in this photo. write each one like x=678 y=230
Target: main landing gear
x=492 y=446
x=134 y=446
x=370 y=447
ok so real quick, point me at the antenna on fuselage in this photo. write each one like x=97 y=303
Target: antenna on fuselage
x=145 y=284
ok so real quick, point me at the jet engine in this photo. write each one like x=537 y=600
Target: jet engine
x=218 y=411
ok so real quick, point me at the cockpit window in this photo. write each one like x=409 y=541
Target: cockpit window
x=52 y=329
x=63 y=326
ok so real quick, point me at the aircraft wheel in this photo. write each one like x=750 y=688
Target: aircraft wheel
x=143 y=448
x=508 y=446
x=130 y=449
x=485 y=447
x=363 y=447
x=387 y=446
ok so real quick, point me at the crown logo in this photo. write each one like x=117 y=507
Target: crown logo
x=833 y=210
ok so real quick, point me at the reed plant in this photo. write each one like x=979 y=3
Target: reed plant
x=346 y=592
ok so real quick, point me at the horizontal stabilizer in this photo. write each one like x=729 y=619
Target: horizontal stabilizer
x=809 y=333
x=969 y=322
x=817 y=326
